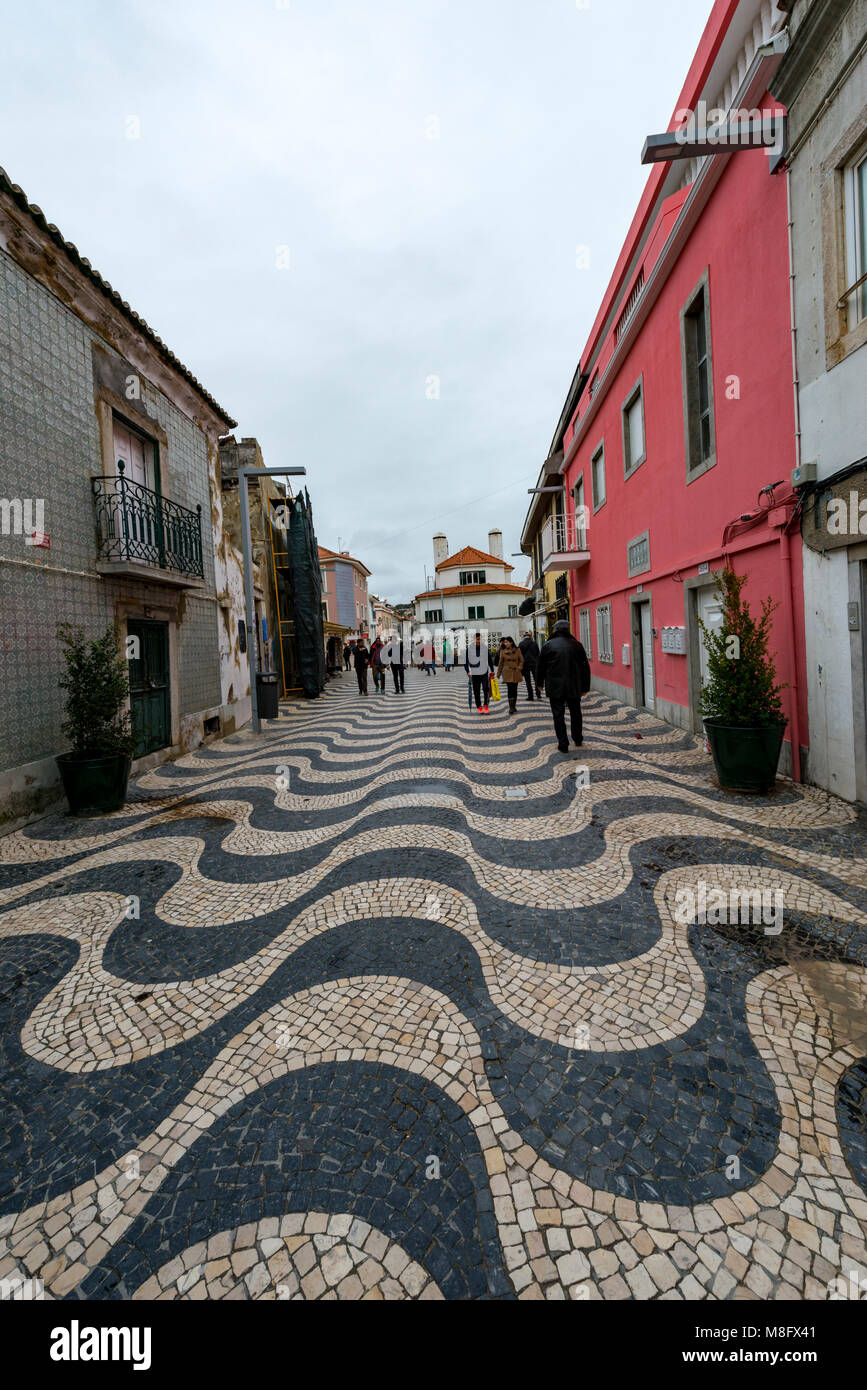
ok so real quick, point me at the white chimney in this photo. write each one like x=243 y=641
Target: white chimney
x=495 y=544
x=440 y=548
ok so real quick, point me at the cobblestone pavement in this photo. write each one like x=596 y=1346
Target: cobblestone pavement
x=393 y=1003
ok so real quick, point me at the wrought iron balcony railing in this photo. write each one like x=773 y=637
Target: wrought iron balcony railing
x=136 y=525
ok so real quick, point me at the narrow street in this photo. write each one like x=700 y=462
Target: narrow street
x=397 y=1001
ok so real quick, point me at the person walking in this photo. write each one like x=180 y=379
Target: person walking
x=361 y=660
x=478 y=666
x=564 y=673
x=378 y=666
x=510 y=668
x=447 y=656
x=429 y=658
x=392 y=653
x=530 y=652
x=346 y=655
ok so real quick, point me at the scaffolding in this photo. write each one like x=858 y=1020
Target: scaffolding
x=284 y=606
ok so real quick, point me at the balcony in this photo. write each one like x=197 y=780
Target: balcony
x=140 y=534
x=564 y=544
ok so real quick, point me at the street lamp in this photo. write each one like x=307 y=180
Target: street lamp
x=246 y=546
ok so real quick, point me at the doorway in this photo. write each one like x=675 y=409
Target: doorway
x=702 y=603
x=643 y=665
x=149 y=697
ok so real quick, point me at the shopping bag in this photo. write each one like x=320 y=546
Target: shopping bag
x=470 y=692
x=495 y=688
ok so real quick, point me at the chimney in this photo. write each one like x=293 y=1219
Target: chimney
x=440 y=548
x=495 y=544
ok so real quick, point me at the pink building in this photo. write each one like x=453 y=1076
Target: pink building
x=678 y=432
x=344 y=591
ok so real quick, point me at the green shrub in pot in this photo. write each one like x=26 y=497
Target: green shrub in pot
x=95 y=771
x=741 y=702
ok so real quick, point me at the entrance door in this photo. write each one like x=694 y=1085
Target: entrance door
x=646 y=641
x=710 y=610
x=149 y=697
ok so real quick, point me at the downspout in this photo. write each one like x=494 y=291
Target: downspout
x=794 y=718
x=785 y=548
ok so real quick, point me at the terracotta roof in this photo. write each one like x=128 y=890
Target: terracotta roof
x=451 y=590
x=81 y=263
x=470 y=556
x=325 y=554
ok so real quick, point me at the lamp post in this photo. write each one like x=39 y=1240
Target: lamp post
x=246 y=546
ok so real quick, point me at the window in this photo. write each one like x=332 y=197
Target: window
x=433 y=615
x=325 y=612
x=855 y=191
x=513 y=610
x=634 y=452
x=698 y=383
x=584 y=631
x=597 y=477
x=137 y=453
x=604 y=633
x=580 y=515
x=472 y=577
x=638 y=554
x=476 y=612
x=323 y=575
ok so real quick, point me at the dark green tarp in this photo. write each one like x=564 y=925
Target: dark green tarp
x=307 y=586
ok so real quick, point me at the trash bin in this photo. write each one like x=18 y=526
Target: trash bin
x=267 y=697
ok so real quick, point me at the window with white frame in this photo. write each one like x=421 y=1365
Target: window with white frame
x=855 y=192
x=597 y=477
x=634 y=452
x=477 y=612
x=580 y=515
x=513 y=610
x=584 y=631
x=604 y=633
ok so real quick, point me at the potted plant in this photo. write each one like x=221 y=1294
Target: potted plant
x=740 y=701
x=95 y=771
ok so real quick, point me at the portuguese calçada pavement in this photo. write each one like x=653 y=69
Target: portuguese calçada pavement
x=398 y=1001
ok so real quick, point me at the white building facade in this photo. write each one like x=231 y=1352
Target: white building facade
x=823 y=83
x=470 y=591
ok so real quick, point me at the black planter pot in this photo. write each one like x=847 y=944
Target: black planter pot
x=94 y=785
x=745 y=758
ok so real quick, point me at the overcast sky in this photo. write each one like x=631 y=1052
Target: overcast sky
x=322 y=205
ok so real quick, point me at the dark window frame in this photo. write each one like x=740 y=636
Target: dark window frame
x=699 y=413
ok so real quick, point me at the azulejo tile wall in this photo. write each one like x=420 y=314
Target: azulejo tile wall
x=49 y=449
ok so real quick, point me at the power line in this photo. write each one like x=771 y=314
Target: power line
x=463 y=506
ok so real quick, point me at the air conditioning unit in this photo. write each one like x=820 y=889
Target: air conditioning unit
x=807 y=473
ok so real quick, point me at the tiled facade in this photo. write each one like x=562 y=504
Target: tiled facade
x=53 y=368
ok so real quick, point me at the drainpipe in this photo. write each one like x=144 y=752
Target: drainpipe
x=789 y=606
x=785 y=549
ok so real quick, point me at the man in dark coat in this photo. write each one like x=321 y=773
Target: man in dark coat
x=564 y=671
x=392 y=652
x=530 y=652
x=361 y=661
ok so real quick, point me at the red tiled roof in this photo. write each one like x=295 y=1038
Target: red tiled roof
x=325 y=554
x=470 y=556
x=451 y=590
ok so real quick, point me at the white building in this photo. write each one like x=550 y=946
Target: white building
x=823 y=84
x=471 y=591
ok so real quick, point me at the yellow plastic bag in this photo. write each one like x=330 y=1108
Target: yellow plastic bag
x=495 y=688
